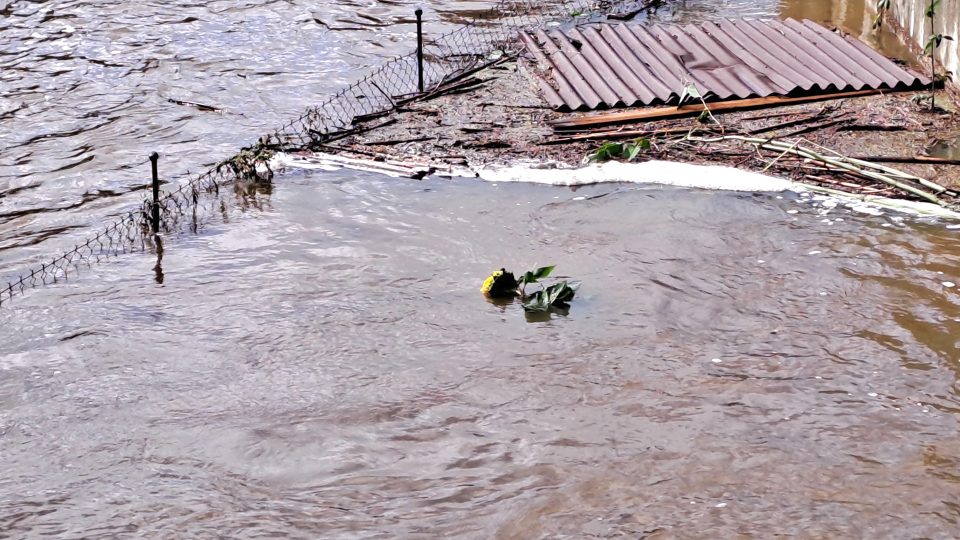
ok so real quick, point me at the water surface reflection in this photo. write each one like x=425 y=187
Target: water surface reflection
x=317 y=360
x=325 y=366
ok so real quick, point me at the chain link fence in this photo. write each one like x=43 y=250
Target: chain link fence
x=488 y=39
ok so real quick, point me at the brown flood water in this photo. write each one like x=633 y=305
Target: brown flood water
x=318 y=362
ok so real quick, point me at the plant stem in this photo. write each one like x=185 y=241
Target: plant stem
x=933 y=64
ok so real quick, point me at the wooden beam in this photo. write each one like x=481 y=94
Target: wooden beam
x=926 y=160
x=614 y=135
x=663 y=113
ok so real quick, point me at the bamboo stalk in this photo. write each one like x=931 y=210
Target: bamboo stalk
x=870 y=174
x=848 y=185
x=785 y=152
x=777 y=146
x=887 y=170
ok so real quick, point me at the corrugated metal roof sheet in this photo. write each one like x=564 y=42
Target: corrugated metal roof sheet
x=626 y=65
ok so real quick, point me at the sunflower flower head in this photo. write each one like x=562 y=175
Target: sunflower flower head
x=500 y=284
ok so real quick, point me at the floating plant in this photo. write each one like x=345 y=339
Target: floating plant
x=503 y=284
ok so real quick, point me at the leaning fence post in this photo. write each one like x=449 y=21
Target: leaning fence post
x=155 y=207
x=419 y=13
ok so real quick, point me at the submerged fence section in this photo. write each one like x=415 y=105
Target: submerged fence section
x=440 y=60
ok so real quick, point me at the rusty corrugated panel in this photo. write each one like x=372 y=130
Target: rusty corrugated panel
x=626 y=65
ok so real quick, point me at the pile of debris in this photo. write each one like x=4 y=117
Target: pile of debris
x=834 y=113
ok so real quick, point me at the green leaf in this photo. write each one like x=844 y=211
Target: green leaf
x=934 y=43
x=689 y=91
x=636 y=147
x=537 y=275
x=536 y=302
x=563 y=293
x=554 y=296
x=606 y=152
x=543 y=271
x=626 y=151
x=554 y=293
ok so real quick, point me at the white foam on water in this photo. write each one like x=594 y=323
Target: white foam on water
x=716 y=177
x=333 y=162
x=282 y=160
x=648 y=172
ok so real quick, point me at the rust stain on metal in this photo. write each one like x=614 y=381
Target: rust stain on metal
x=628 y=65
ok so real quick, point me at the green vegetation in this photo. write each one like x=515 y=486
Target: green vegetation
x=691 y=92
x=930 y=48
x=627 y=151
x=630 y=150
x=555 y=296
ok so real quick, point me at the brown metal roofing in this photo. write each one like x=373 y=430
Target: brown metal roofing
x=626 y=65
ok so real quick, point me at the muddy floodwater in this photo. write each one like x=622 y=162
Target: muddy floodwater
x=318 y=362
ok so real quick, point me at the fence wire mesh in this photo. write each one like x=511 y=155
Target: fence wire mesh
x=446 y=58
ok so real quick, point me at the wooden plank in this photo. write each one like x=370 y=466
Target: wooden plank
x=663 y=113
x=925 y=160
x=614 y=135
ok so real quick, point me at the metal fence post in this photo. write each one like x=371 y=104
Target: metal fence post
x=155 y=207
x=419 y=13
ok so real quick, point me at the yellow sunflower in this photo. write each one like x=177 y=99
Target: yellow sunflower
x=500 y=284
